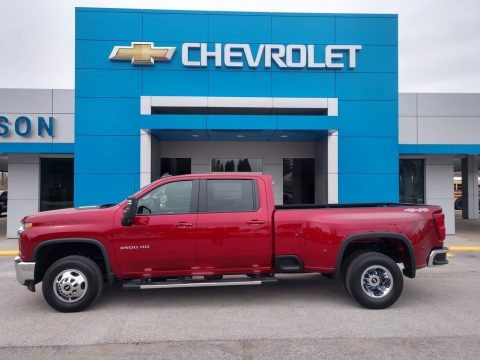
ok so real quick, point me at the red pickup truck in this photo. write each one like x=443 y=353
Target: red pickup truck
x=222 y=230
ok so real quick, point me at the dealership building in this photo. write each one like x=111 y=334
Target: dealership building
x=311 y=99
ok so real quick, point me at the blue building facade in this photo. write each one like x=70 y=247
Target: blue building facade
x=108 y=94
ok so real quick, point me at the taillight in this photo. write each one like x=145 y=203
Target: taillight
x=440 y=224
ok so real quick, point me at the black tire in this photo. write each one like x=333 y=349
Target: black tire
x=78 y=284
x=374 y=280
x=346 y=265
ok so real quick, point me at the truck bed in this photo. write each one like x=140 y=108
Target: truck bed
x=343 y=206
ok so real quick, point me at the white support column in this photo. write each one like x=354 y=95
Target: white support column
x=145 y=158
x=23 y=190
x=439 y=187
x=333 y=168
x=470 y=187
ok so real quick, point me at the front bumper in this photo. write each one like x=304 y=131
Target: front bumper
x=25 y=272
x=438 y=257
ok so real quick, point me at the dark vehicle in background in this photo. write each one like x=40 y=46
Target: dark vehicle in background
x=3 y=201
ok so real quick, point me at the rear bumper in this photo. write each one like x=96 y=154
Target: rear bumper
x=25 y=271
x=438 y=257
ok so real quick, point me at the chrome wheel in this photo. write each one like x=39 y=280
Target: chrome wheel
x=376 y=281
x=70 y=285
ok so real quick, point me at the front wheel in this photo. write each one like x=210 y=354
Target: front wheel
x=72 y=284
x=374 y=280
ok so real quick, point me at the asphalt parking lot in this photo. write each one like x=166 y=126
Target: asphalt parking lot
x=304 y=316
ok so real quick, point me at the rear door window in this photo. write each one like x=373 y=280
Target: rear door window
x=227 y=195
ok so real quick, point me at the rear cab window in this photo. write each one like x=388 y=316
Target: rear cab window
x=230 y=195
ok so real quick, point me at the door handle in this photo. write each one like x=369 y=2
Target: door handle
x=256 y=222
x=182 y=224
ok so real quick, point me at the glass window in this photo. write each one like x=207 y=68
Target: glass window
x=56 y=183
x=237 y=165
x=171 y=198
x=175 y=166
x=298 y=181
x=230 y=195
x=412 y=182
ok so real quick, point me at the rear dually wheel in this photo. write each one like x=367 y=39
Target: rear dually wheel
x=374 y=280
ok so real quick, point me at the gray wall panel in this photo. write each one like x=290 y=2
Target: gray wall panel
x=25 y=101
x=407 y=104
x=64 y=101
x=407 y=130
x=448 y=104
x=449 y=130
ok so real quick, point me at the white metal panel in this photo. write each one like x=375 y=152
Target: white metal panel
x=23 y=181
x=333 y=168
x=23 y=189
x=300 y=103
x=240 y=102
x=333 y=153
x=145 y=105
x=333 y=188
x=178 y=101
x=17 y=210
x=332 y=107
x=472 y=186
x=407 y=130
x=145 y=158
x=146 y=102
x=439 y=187
x=439 y=181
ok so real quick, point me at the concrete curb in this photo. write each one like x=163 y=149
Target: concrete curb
x=8 y=252
x=464 y=248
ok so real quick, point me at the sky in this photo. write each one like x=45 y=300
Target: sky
x=439 y=40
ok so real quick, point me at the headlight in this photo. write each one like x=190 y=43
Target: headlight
x=24 y=226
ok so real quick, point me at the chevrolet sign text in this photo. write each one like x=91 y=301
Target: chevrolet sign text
x=284 y=56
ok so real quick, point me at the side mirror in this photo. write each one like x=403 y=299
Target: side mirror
x=130 y=211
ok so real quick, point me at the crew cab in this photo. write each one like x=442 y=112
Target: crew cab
x=224 y=230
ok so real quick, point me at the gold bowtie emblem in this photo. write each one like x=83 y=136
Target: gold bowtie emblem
x=142 y=53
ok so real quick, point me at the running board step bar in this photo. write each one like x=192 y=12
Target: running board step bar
x=145 y=285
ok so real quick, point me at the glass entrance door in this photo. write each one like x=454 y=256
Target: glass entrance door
x=56 y=183
x=298 y=181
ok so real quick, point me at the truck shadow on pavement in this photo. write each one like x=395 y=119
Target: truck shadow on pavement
x=304 y=288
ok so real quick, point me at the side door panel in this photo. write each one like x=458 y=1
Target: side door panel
x=158 y=243
x=236 y=239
